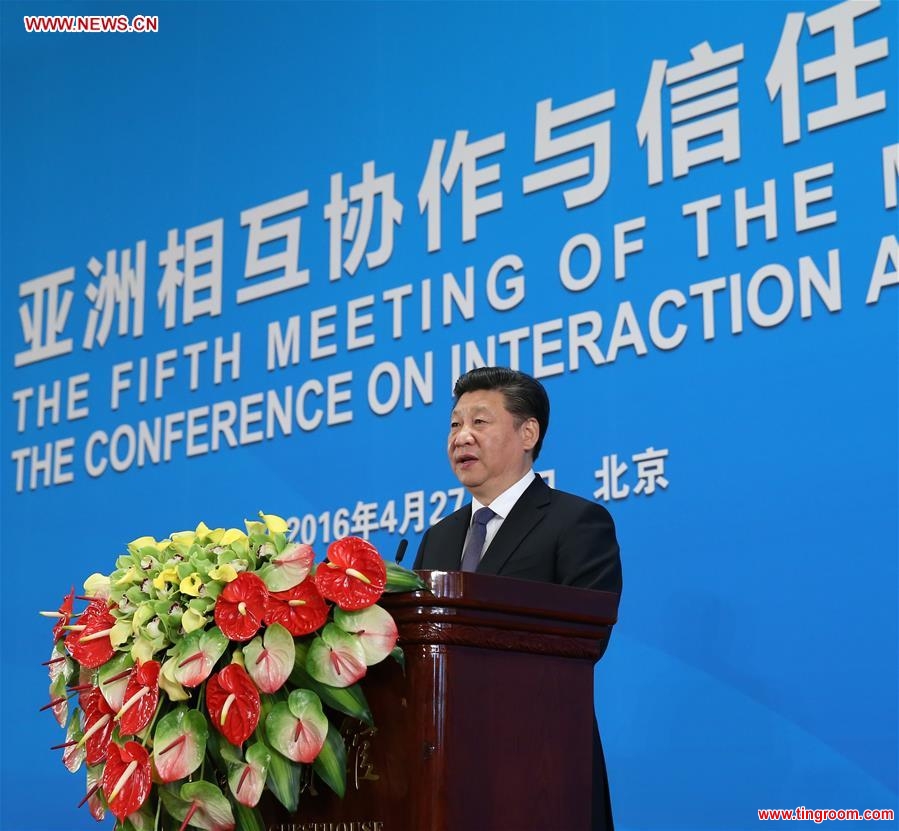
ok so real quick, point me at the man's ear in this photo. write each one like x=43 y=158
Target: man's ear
x=529 y=432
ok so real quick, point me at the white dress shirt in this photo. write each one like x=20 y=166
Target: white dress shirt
x=501 y=506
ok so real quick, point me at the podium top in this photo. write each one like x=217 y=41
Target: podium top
x=488 y=611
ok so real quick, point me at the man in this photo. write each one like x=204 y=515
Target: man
x=516 y=525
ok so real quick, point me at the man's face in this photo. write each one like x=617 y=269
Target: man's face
x=487 y=451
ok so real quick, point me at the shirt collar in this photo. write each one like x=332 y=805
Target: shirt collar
x=504 y=503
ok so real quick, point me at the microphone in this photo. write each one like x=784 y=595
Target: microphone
x=401 y=550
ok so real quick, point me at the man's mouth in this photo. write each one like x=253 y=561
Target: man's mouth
x=463 y=459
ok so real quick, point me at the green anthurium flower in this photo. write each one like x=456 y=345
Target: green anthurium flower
x=196 y=654
x=113 y=677
x=179 y=743
x=298 y=727
x=246 y=778
x=336 y=658
x=375 y=629
x=269 y=659
x=191 y=584
x=206 y=805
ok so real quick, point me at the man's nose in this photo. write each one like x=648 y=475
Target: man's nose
x=462 y=437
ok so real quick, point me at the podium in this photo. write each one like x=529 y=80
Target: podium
x=490 y=726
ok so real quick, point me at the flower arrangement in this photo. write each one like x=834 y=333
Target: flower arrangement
x=205 y=668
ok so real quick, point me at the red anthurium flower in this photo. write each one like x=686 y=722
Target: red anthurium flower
x=98 y=724
x=354 y=574
x=240 y=608
x=233 y=703
x=299 y=610
x=89 y=643
x=126 y=778
x=141 y=698
x=65 y=615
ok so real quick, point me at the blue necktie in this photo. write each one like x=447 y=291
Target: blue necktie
x=474 y=545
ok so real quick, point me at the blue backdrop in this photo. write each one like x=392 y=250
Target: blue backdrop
x=245 y=256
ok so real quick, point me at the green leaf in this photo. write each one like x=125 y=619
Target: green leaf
x=283 y=780
x=330 y=764
x=269 y=659
x=400 y=657
x=248 y=819
x=401 y=579
x=179 y=743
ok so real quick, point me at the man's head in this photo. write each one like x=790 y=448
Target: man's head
x=498 y=424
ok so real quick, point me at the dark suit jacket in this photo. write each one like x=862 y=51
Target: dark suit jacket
x=551 y=536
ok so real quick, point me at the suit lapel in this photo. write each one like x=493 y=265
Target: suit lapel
x=448 y=554
x=528 y=511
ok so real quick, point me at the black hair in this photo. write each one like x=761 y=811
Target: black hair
x=524 y=396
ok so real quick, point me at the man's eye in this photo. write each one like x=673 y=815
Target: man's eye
x=454 y=425
x=480 y=421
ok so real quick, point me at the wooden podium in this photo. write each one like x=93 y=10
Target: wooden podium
x=490 y=727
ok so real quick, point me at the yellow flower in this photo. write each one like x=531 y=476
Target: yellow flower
x=141 y=542
x=274 y=523
x=167 y=575
x=202 y=531
x=162 y=545
x=192 y=620
x=254 y=527
x=183 y=537
x=191 y=585
x=224 y=572
x=232 y=535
